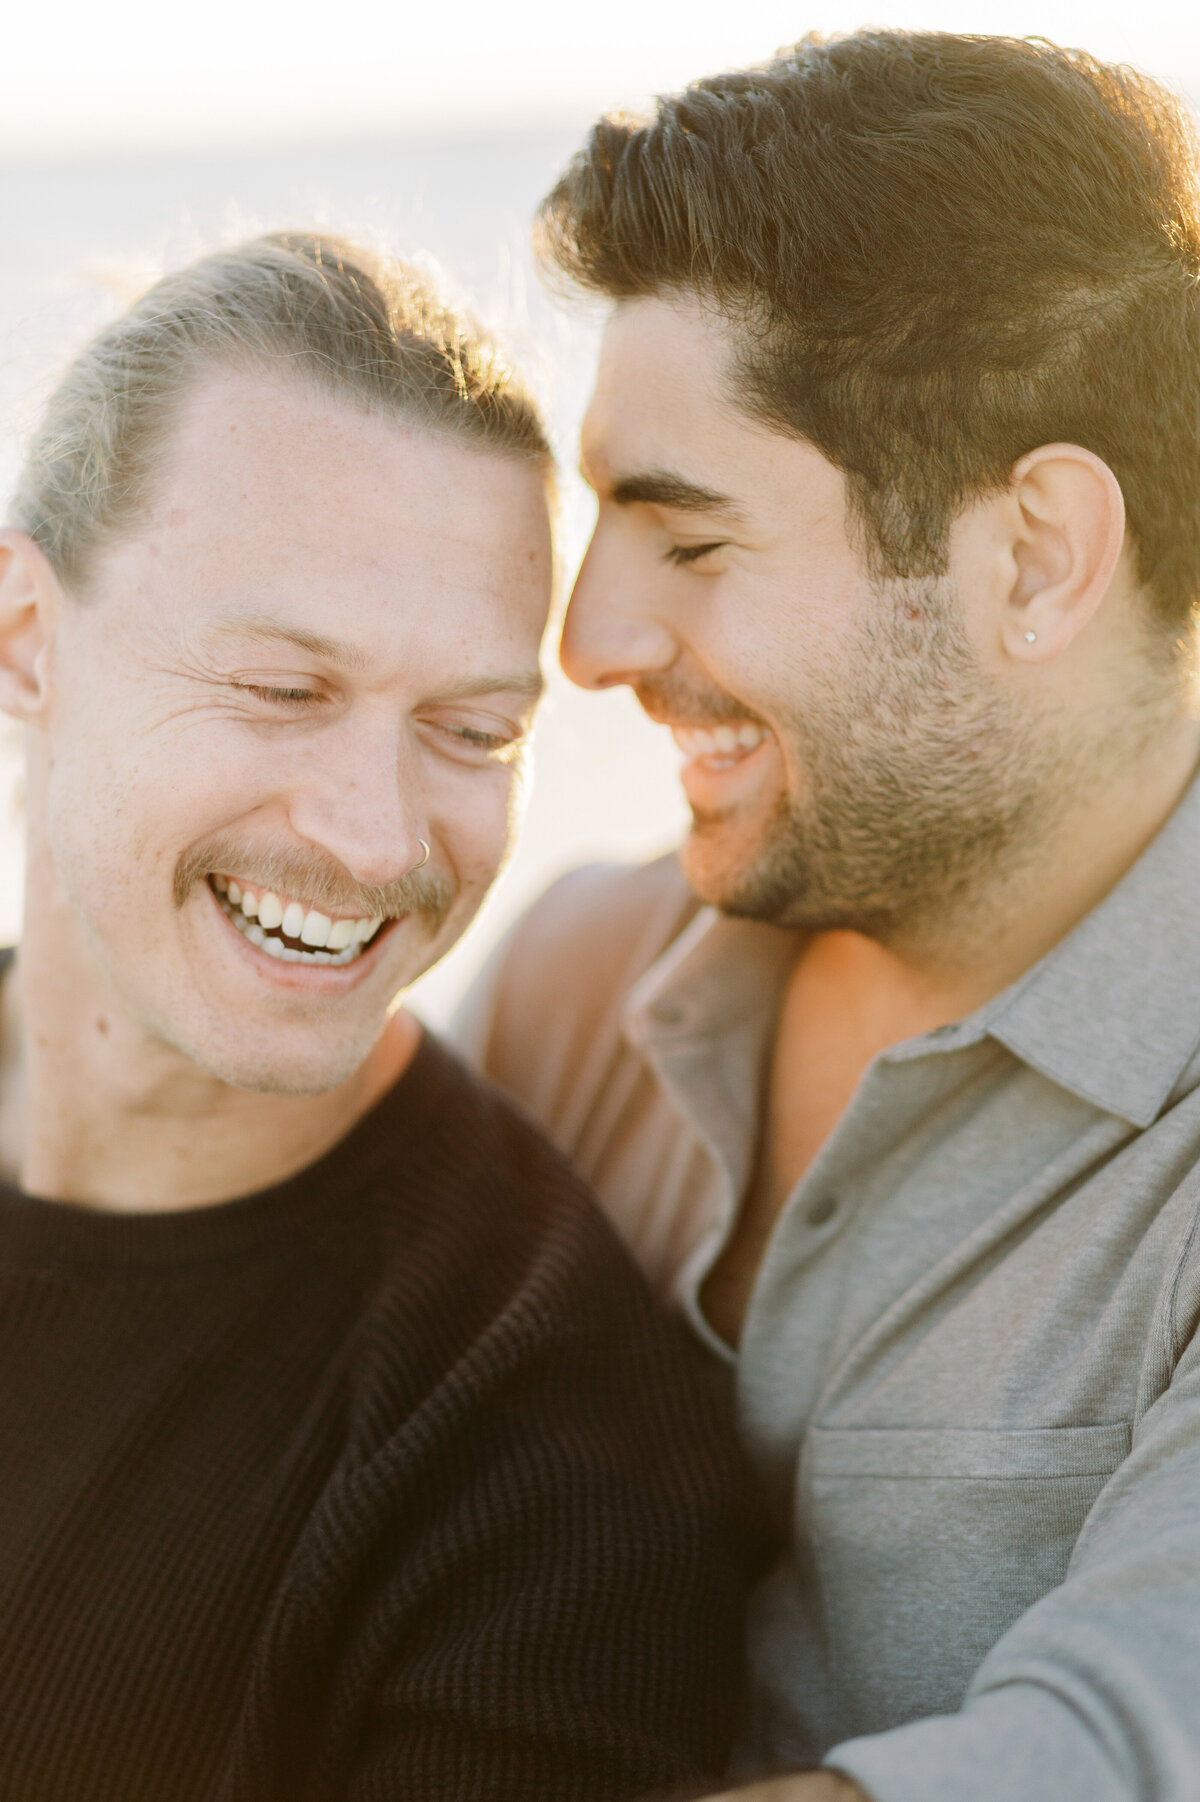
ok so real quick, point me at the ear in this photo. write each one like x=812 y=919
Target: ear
x=29 y=598
x=1068 y=517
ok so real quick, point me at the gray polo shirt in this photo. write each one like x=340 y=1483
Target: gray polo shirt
x=969 y=1371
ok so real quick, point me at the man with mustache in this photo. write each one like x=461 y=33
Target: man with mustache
x=892 y=1079
x=344 y=1456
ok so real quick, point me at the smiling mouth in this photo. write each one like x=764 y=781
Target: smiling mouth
x=292 y=931
x=720 y=747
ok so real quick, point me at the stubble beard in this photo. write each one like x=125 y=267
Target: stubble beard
x=927 y=784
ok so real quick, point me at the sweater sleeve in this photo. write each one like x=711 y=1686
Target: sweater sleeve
x=553 y=1547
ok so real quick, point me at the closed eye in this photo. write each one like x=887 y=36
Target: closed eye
x=292 y=695
x=683 y=554
x=486 y=741
x=475 y=744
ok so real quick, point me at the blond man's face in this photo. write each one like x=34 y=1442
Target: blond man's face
x=316 y=655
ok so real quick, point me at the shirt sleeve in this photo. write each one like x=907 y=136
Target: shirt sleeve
x=1092 y=1695
x=553 y=988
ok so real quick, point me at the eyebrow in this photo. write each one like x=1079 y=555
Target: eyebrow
x=329 y=650
x=525 y=682
x=665 y=488
x=529 y=683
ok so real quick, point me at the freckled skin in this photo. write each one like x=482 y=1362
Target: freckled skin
x=432 y=562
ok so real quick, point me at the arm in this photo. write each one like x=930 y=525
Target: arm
x=1091 y=1695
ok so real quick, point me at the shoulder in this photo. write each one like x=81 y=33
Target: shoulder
x=528 y=1443
x=555 y=988
x=623 y=916
x=488 y=1245
x=505 y=1308
x=634 y=905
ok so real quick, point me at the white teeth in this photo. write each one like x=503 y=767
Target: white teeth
x=721 y=741
x=345 y=939
x=315 y=930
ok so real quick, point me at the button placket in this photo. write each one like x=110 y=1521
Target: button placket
x=821 y=1209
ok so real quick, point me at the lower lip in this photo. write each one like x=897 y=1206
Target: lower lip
x=308 y=979
x=710 y=780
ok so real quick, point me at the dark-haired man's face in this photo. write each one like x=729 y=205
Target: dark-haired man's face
x=853 y=752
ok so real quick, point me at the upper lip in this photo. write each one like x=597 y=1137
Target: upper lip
x=223 y=878
x=699 y=722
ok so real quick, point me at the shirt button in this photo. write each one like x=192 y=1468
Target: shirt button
x=821 y=1210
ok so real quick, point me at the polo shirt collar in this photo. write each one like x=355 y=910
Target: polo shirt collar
x=718 y=974
x=1112 y=1013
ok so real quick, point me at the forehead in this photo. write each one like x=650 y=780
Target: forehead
x=273 y=496
x=665 y=401
x=661 y=378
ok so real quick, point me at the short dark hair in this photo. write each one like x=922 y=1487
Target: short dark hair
x=361 y=327
x=940 y=252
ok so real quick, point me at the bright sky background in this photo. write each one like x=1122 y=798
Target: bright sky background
x=138 y=72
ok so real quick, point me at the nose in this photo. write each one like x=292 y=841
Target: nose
x=612 y=632
x=360 y=799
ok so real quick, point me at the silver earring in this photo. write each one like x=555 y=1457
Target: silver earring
x=1030 y=638
x=424 y=860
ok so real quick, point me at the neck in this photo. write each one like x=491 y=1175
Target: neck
x=940 y=970
x=95 y=1111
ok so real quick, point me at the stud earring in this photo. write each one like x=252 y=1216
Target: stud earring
x=1031 y=638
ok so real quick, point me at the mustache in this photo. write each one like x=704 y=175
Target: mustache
x=672 y=698
x=312 y=876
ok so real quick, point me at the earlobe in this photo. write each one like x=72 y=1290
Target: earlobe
x=1070 y=532
x=29 y=595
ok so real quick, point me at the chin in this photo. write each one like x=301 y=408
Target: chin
x=752 y=875
x=720 y=863
x=270 y=1067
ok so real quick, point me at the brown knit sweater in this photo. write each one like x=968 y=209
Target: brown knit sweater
x=386 y=1483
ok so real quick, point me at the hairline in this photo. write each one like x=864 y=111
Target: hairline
x=154 y=453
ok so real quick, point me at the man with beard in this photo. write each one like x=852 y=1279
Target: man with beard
x=892 y=1078
x=345 y=1458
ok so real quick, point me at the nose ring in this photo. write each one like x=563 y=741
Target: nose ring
x=424 y=860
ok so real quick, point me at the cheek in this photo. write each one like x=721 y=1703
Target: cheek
x=791 y=662
x=121 y=806
x=475 y=815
